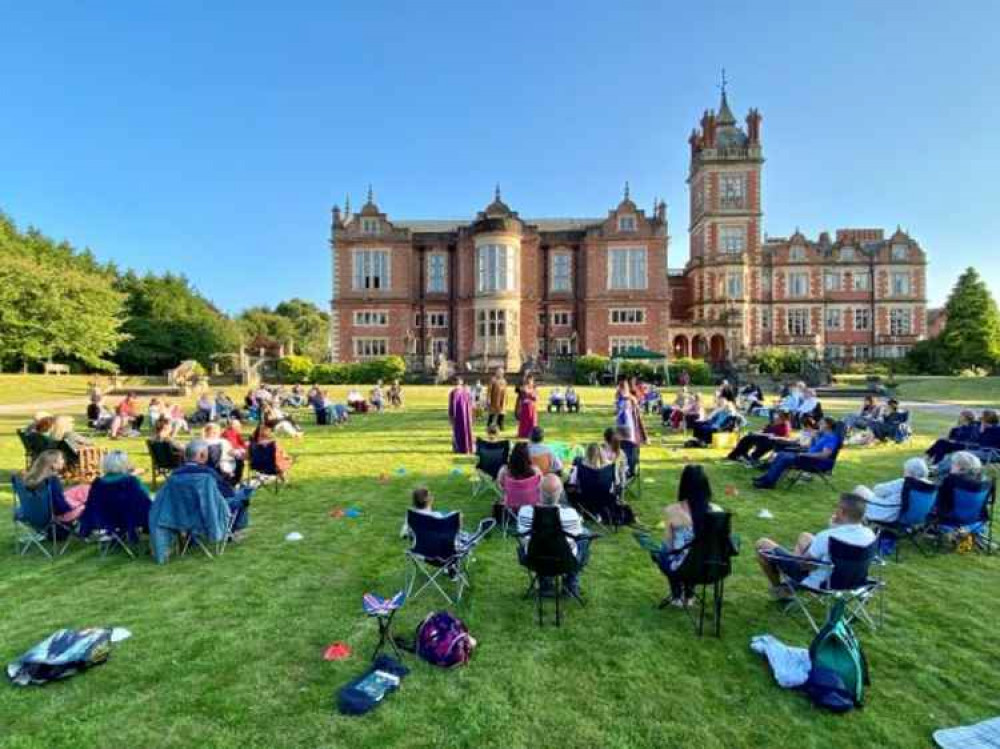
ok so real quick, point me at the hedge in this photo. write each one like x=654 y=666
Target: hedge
x=588 y=366
x=359 y=373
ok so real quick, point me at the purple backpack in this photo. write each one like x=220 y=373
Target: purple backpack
x=443 y=640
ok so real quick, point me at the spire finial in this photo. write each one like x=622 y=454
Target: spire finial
x=626 y=190
x=371 y=197
x=722 y=86
x=347 y=204
x=496 y=193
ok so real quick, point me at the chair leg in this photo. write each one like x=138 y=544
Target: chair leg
x=719 y=599
x=559 y=592
x=538 y=601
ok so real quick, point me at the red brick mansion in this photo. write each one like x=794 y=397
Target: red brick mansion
x=499 y=288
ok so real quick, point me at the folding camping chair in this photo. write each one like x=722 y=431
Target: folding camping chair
x=707 y=562
x=516 y=494
x=164 y=459
x=264 y=465
x=806 y=466
x=440 y=551
x=383 y=610
x=850 y=580
x=35 y=523
x=971 y=512
x=598 y=496
x=211 y=549
x=917 y=502
x=490 y=458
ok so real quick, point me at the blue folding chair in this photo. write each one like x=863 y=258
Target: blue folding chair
x=917 y=503
x=35 y=522
x=971 y=511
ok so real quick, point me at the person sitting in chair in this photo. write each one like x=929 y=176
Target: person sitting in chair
x=67 y=504
x=751 y=398
x=127 y=419
x=870 y=413
x=264 y=435
x=822 y=447
x=196 y=462
x=890 y=426
x=753 y=447
x=224 y=405
x=230 y=465
x=572 y=400
x=963 y=435
x=552 y=496
x=163 y=432
x=204 y=409
x=722 y=414
x=964 y=471
x=556 y=400
x=987 y=446
x=612 y=452
x=682 y=522
x=846 y=525
x=593 y=457
x=887 y=497
x=542 y=455
x=99 y=416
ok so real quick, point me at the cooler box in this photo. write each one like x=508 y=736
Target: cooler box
x=726 y=440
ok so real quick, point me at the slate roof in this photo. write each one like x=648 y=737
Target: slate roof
x=422 y=226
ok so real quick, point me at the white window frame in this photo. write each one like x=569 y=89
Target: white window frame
x=561 y=278
x=862 y=351
x=861 y=281
x=495 y=268
x=370 y=226
x=627 y=316
x=765 y=318
x=834 y=319
x=847 y=254
x=437 y=273
x=562 y=347
x=732 y=239
x=371 y=318
x=796 y=253
x=732 y=191
x=834 y=351
x=900 y=252
x=491 y=324
x=900 y=321
x=793 y=278
x=632 y=262
x=372 y=270
x=370 y=348
x=627 y=223
x=795 y=316
x=562 y=318
x=617 y=344
x=833 y=280
x=437 y=319
x=901 y=284
x=863 y=313
x=439 y=345
x=734 y=285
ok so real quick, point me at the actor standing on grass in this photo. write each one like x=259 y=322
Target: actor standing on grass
x=460 y=416
x=496 y=399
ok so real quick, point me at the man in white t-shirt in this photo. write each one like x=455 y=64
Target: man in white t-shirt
x=551 y=496
x=846 y=525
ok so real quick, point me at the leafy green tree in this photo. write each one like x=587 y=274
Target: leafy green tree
x=971 y=335
x=297 y=321
x=169 y=322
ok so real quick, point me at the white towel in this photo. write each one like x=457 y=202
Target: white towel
x=789 y=665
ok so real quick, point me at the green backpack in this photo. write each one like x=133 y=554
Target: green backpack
x=839 y=669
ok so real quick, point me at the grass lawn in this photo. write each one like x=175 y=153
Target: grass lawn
x=227 y=653
x=962 y=391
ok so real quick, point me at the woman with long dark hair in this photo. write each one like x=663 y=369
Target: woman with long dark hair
x=683 y=521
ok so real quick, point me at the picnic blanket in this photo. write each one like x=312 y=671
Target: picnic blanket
x=985 y=735
x=790 y=665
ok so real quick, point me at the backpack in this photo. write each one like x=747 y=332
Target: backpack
x=839 y=672
x=443 y=640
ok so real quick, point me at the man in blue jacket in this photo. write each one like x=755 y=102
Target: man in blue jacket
x=818 y=455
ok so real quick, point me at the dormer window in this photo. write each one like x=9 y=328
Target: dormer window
x=626 y=223
x=847 y=254
x=797 y=254
x=369 y=226
x=899 y=252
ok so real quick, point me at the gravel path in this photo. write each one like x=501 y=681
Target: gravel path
x=31 y=407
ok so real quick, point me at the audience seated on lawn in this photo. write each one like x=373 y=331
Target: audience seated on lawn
x=63 y=432
x=204 y=409
x=593 y=457
x=822 y=447
x=673 y=414
x=264 y=435
x=164 y=432
x=67 y=504
x=720 y=418
x=127 y=420
x=557 y=401
x=279 y=422
x=886 y=498
x=753 y=447
x=891 y=425
x=963 y=435
x=519 y=480
x=178 y=421
x=118 y=501
x=846 y=525
x=808 y=408
x=964 y=471
x=40 y=424
x=870 y=413
x=99 y=416
x=612 y=452
x=683 y=520
x=224 y=406
x=572 y=400
x=422 y=502
x=356 y=401
x=987 y=445
x=542 y=455
x=233 y=434
x=229 y=464
x=572 y=525
x=751 y=398
x=294 y=399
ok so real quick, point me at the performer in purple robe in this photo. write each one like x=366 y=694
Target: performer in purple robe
x=460 y=416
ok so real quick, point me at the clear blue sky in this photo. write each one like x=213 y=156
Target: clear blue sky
x=213 y=138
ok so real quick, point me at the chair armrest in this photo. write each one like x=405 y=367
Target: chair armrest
x=807 y=561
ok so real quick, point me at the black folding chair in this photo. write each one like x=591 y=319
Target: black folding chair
x=598 y=496
x=490 y=458
x=917 y=502
x=439 y=552
x=549 y=557
x=709 y=563
x=264 y=464
x=807 y=466
x=164 y=459
x=850 y=580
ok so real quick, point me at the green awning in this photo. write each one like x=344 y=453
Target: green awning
x=639 y=353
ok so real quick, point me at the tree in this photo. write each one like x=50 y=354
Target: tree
x=296 y=320
x=971 y=335
x=169 y=322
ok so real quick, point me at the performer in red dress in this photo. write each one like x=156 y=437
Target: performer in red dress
x=528 y=417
